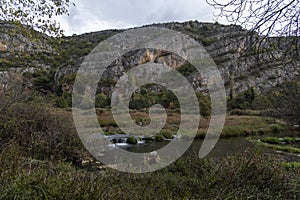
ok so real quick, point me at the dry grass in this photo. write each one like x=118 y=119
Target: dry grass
x=41 y=131
x=235 y=125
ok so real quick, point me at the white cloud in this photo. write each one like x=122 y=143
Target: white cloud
x=96 y=15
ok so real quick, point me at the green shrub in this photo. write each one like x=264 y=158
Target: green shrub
x=102 y=101
x=131 y=140
x=205 y=105
x=206 y=41
x=139 y=101
x=64 y=101
x=243 y=100
x=61 y=102
x=139 y=121
x=186 y=69
x=69 y=78
x=106 y=123
x=269 y=112
x=261 y=103
x=108 y=82
x=275 y=129
x=232 y=131
x=159 y=138
x=166 y=134
x=291 y=140
x=288 y=149
x=271 y=140
x=201 y=135
x=44 y=80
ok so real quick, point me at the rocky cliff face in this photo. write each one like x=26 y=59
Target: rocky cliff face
x=240 y=66
x=22 y=51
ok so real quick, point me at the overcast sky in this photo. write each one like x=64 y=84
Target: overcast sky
x=96 y=15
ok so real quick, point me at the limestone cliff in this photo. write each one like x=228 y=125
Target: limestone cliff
x=240 y=66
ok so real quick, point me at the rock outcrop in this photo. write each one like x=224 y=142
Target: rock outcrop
x=241 y=67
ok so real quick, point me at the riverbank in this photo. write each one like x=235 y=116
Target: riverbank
x=42 y=159
x=247 y=175
x=281 y=144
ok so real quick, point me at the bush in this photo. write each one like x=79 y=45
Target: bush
x=64 y=101
x=257 y=175
x=131 y=140
x=186 y=69
x=232 y=131
x=42 y=132
x=43 y=80
x=159 y=138
x=261 y=103
x=139 y=121
x=275 y=129
x=243 y=100
x=61 y=102
x=205 y=105
x=102 y=101
x=69 y=79
x=166 y=134
x=139 y=101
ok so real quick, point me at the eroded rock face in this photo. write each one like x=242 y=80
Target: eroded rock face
x=23 y=51
x=227 y=45
x=16 y=39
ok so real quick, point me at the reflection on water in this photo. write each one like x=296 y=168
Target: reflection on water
x=222 y=148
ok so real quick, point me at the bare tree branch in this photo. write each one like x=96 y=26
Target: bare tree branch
x=264 y=18
x=267 y=17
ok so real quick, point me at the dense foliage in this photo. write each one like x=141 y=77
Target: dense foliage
x=36 y=15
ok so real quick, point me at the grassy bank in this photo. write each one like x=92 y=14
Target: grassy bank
x=278 y=144
x=248 y=175
x=235 y=125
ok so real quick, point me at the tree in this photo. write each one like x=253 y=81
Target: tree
x=270 y=21
x=265 y=17
x=35 y=14
x=12 y=91
x=287 y=102
x=261 y=102
x=243 y=100
x=205 y=105
x=279 y=17
x=102 y=101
